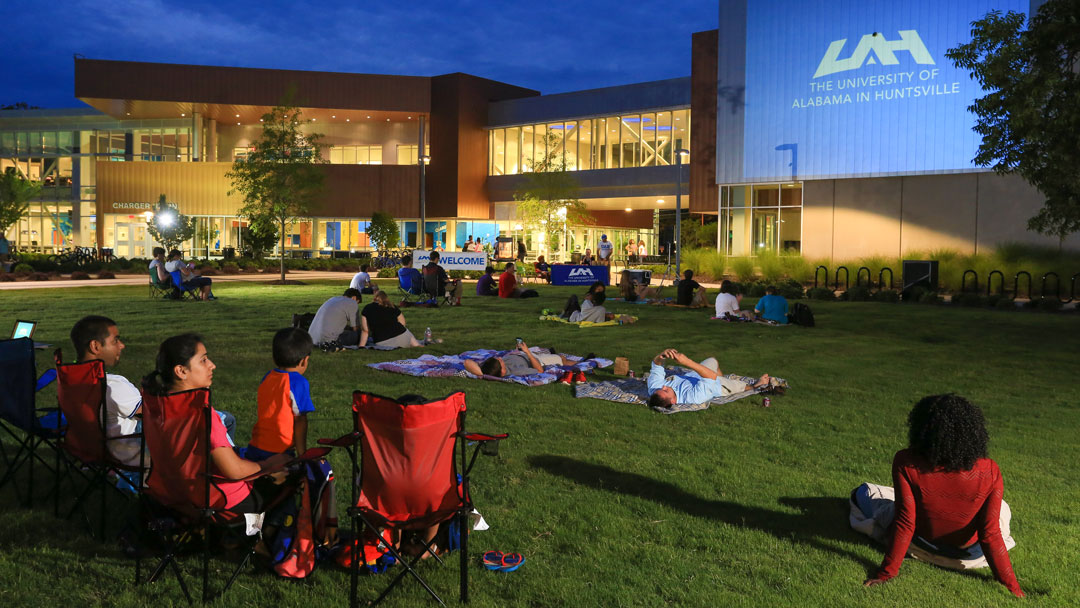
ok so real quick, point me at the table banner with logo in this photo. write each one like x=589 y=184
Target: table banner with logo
x=568 y=274
x=453 y=260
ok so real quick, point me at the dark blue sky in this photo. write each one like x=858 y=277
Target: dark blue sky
x=552 y=46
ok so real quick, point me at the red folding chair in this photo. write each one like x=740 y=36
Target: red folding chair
x=181 y=491
x=80 y=394
x=409 y=478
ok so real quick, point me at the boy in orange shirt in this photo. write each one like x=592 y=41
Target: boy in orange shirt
x=284 y=399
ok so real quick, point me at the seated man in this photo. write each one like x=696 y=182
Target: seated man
x=408 y=277
x=486 y=286
x=508 y=282
x=543 y=269
x=727 y=302
x=185 y=277
x=335 y=322
x=587 y=258
x=520 y=363
x=772 y=307
x=438 y=282
x=702 y=384
x=160 y=275
x=361 y=281
x=691 y=293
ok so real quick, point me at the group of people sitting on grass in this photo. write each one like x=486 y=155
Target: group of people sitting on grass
x=170 y=272
x=339 y=323
x=772 y=307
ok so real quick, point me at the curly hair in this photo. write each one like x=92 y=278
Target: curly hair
x=948 y=431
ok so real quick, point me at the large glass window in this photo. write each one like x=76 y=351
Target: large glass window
x=513 y=149
x=761 y=218
x=360 y=155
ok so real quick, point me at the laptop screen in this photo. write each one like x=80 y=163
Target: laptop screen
x=23 y=329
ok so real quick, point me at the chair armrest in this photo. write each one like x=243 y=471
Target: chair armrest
x=312 y=454
x=485 y=436
x=341 y=442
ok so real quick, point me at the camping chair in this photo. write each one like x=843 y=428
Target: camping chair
x=158 y=289
x=30 y=427
x=178 y=282
x=409 y=479
x=180 y=489
x=80 y=393
x=432 y=290
x=406 y=295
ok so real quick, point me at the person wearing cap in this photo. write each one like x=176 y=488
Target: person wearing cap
x=604 y=250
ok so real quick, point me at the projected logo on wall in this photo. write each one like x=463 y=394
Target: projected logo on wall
x=836 y=90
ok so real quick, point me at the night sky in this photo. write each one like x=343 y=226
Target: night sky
x=552 y=46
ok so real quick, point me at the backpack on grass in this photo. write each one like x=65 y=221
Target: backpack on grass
x=802 y=315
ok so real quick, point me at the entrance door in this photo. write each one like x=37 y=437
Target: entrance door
x=133 y=240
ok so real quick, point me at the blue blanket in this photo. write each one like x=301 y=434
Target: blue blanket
x=447 y=366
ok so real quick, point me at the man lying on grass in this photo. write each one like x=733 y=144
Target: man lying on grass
x=702 y=384
x=522 y=363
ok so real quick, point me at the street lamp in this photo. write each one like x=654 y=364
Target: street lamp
x=678 y=210
x=423 y=162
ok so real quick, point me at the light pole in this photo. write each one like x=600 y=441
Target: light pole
x=678 y=210
x=424 y=160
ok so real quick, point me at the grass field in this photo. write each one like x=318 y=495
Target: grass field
x=614 y=505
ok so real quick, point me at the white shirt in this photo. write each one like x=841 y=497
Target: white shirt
x=604 y=249
x=641 y=250
x=332 y=318
x=360 y=280
x=726 y=303
x=122 y=402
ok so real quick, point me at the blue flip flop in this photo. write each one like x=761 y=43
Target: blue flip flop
x=511 y=562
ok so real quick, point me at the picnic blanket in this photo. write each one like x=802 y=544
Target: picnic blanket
x=619 y=320
x=448 y=366
x=634 y=390
x=642 y=300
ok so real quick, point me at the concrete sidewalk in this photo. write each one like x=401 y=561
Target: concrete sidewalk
x=141 y=279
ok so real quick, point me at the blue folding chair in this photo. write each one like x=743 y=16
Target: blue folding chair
x=30 y=427
x=178 y=281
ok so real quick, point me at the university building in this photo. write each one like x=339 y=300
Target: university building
x=831 y=129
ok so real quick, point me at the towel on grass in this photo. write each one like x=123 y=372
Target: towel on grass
x=447 y=366
x=634 y=390
x=619 y=320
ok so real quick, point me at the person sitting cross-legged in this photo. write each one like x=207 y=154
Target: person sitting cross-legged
x=283 y=399
x=385 y=324
x=335 y=324
x=487 y=286
x=727 y=302
x=361 y=281
x=508 y=282
x=772 y=307
x=703 y=383
x=690 y=292
x=521 y=362
x=592 y=306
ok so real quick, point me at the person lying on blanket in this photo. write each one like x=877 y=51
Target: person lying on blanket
x=703 y=383
x=520 y=363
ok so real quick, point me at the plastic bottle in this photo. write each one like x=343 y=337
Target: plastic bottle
x=427 y=336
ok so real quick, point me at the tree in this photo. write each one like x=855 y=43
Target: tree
x=1030 y=116
x=548 y=200
x=168 y=226
x=383 y=231
x=280 y=177
x=259 y=237
x=15 y=196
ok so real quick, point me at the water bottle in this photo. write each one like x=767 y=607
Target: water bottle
x=427 y=336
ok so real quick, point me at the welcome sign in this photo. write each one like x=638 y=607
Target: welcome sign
x=453 y=260
x=846 y=88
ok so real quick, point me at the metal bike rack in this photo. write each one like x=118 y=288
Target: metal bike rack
x=881 y=278
x=816 y=275
x=1057 y=287
x=858 y=277
x=847 y=278
x=963 y=281
x=1016 y=284
x=990 y=281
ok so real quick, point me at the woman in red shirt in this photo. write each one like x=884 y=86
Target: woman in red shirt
x=948 y=492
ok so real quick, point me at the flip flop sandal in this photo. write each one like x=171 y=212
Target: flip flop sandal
x=511 y=562
x=493 y=560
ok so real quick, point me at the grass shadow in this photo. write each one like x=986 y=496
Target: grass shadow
x=812 y=527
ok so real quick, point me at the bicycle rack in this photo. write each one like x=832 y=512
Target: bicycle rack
x=858 y=277
x=1057 y=287
x=963 y=281
x=1001 y=282
x=847 y=278
x=881 y=277
x=1016 y=284
x=816 y=275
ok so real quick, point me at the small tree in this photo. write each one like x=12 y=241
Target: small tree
x=15 y=196
x=168 y=226
x=280 y=177
x=1030 y=114
x=383 y=231
x=259 y=237
x=550 y=194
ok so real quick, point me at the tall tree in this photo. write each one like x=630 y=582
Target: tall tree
x=168 y=226
x=549 y=195
x=16 y=193
x=1030 y=116
x=281 y=176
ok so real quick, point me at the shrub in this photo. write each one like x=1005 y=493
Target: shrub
x=342 y=267
x=972 y=300
x=208 y=271
x=1049 y=304
x=6 y=277
x=39 y=276
x=1005 y=303
x=79 y=275
x=930 y=297
x=230 y=268
x=743 y=269
x=23 y=268
x=105 y=274
x=754 y=290
x=821 y=293
x=858 y=293
x=797 y=268
x=790 y=289
x=771 y=267
x=390 y=272
x=887 y=295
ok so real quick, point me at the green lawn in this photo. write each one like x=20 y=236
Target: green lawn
x=612 y=504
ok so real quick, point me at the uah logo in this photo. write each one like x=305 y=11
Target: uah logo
x=882 y=48
x=581 y=272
